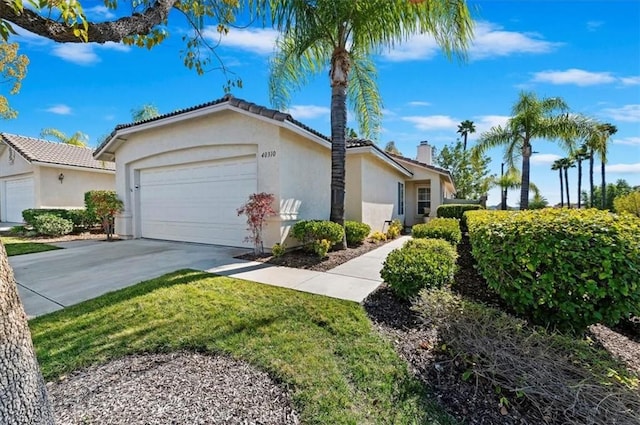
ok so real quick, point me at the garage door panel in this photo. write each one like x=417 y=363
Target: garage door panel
x=197 y=202
x=19 y=197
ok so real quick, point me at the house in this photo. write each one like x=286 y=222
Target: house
x=183 y=175
x=36 y=173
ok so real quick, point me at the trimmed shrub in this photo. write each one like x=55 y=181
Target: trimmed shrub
x=52 y=225
x=439 y=228
x=321 y=247
x=104 y=204
x=378 y=236
x=278 y=249
x=420 y=263
x=310 y=233
x=563 y=268
x=356 y=232
x=456 y=211
x=77 y=217
x=394 y=229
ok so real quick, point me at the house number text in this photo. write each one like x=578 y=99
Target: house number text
x=268 y=154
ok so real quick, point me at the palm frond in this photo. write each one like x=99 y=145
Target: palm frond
x=364 y=96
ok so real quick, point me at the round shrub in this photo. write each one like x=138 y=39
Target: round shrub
x=420 y=263
x=311 y=232
x=439 y=228
x=52 y=225
x=562 y=268
x=356 y=232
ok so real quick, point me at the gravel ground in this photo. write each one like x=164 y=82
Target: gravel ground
x=176 y=388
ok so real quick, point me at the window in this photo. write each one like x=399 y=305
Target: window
x=400 y=198
x=424 y=200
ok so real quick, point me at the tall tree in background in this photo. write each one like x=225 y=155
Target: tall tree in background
x=76 y=139
x=557 y=165
x=566 y=164
x=532 y=118
x=390 y=147
x=602 y=134
x=509 y=180
x=470 y=174
x=145 y=112
x=580 y=155
x=465 y=128
x=343 y=34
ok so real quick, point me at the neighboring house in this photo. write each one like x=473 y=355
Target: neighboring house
x=183 y=175
x=36 y=173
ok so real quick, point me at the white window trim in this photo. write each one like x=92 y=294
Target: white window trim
x=418 y=199
x=401 y=202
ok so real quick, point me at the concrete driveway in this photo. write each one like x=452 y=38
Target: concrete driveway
x=52 y=280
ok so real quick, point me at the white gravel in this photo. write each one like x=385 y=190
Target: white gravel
x=176 y=388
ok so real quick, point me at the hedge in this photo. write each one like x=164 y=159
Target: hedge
x=356 y=232
x=52 y=225
x=439 y=228
x=77 y=217
x=420 y=263
x=563 y=268
x=456 y=211
x=318 y=235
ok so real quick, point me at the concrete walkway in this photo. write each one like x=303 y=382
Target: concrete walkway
x=353 y=280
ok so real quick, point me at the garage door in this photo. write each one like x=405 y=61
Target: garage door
x=19 y=197
x=197 y=202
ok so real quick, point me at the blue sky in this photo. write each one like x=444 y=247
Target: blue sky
x=585 y=51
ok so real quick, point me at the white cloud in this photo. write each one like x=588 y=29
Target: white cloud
x=308 y=111
x=491 y=40
x=624 y=168
x=110 y=45
x=578 y=77
x=85 y=53
x=632 y=141
x=60 y=109
x=100 y=12
x=544 y=158
x=388 y=113
x=627 y=113
x=256 y=40
x=418 y=47
x=433 y=122
x=484 y=123
x=630 y=81
x=419 y=103
x=594 y=25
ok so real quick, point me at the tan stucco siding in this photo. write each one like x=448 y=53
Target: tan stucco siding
x=379 y=192
x=353 y=188
x=70 y=193
x=13 y=165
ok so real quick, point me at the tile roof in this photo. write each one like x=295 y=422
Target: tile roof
x=233 y=101
x=422 y=164
x=38 y=150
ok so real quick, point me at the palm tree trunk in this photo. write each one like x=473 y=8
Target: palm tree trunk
x=604 y=186
x=524 y=189
x=591 y=203
x=464 y=147
x=561 y=188
x=339 y=79
x=579 y=183
x=566 y=185
x=503 y=191
x=24 y=395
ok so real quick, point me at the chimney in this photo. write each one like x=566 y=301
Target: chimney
x=425 y=152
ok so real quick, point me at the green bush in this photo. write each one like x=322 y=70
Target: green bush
x=77 y=217
x=356 y=232
x=420 y=263
x=378 y=236
x=439 y=228
x=562 y=268
x=310 y=233
x=629 y=203
x=321 y=247
x=278 y=249
x=394 y=229
x=456 y=211
x=52 y=225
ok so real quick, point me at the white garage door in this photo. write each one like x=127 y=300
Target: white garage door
x=197 y=202
x=19 y=197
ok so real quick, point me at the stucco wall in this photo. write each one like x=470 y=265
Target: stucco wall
x=353 y=188
x=379 y=192
x=70 y=193
x=15 y=167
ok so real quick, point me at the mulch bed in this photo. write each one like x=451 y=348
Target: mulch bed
x=467 y=400
x=300 y=259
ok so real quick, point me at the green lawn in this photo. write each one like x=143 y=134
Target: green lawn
x=18 y=246
x=339 y=370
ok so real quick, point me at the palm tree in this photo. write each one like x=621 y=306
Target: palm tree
x=509 y=180
x=580 y=155
x=76 y=139
x=145 y=112
x=603 y=132
x=390 y=147
x=465 y=128
x=566 y=164
x=342 y=34
x=532 y=118
x=557 y=165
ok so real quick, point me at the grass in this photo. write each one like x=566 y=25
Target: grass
x=18 y=246
x=338 y=369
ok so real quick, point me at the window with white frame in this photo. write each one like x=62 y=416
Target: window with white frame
x=400 y=198
x=424 y=200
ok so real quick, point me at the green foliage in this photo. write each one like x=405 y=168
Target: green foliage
x=311 y=233
x=13 y=68
x=395 y=229
x=439 y=228
x=77 y=217
x=456 y=211
x=629 y=203
x=145 y=112
x=538 y=202
x=278 y=249
x=378 y=236
x=356 y=232
x=564 y=268
x=104 y=204
x=420 y=263
x=321 y=247
x=470 y=173
x=620 y=188
x=76 y=139
x=52 y=225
